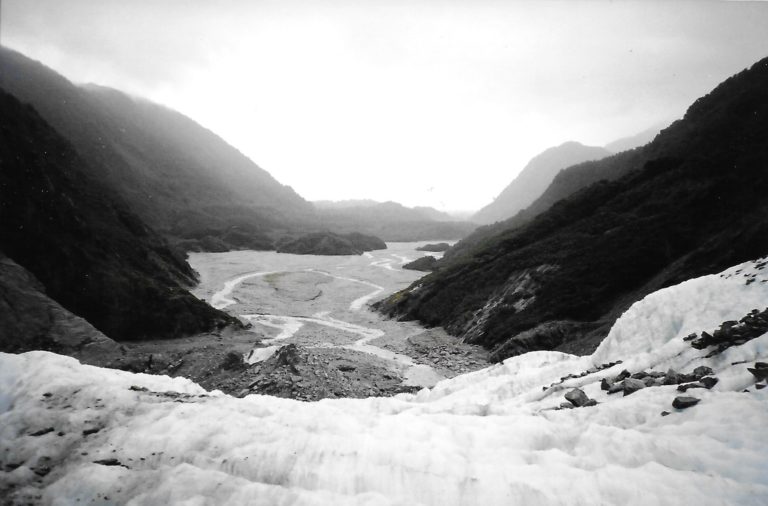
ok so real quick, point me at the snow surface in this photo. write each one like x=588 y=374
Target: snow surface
x=483 y=438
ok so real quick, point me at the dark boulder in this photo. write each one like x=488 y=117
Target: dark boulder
x=632 y=385
x=577 y=397
x=684 y=402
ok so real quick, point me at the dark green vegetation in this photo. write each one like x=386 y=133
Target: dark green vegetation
x=691 y=202
x=327 y=243
x=77 y=237
x=178 y=177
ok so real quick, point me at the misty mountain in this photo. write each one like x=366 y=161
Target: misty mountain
x=384 y=210
x=691 y=202
x=344 y=204
x=180 y=178
x=566 y=183
x=78 y=238
x=535 y=178
x=634 y=141
x=391 y=221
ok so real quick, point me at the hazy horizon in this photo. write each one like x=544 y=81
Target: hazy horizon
x=427 y=103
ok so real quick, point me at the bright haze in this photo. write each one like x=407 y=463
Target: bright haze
x=429 y=102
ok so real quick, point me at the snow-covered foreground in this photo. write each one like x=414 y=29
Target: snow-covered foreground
x=482 y=438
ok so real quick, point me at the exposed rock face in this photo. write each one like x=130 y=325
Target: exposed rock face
x=92 y=254
x=425 y=263
x=683 y=206
x=435 y=248
x=548 y=335
x=327 y=243
x=30 y=320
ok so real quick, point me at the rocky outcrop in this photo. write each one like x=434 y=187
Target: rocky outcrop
x=733 y=333
x=327 y=243
x=434 y=247
x=425 y=264
x=547 y=336
x=30 y=320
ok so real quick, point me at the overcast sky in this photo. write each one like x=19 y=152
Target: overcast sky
x=430 y=102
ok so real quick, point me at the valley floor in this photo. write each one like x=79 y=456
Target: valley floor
x=320 y=305
x=76 y=434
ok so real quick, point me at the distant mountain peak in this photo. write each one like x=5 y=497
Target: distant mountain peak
x=535 y=177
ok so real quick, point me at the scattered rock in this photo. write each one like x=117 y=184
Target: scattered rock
x=632 y=385
x=688 y=386
x=733 y=333
x=622 y=376
x=577 y=397
x=759 y=371
x=709 y=382
x=672 y=377
x=110 y=462
x=664 y=413
x=702 y=371
x=684 y=402
x=42 y=470
x=42 y=432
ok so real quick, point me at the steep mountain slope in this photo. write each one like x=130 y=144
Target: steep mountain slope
x=691 y=202
x=94 y=256
x=182 y=179
x=535 y=178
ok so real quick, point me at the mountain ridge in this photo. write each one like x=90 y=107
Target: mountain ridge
x=689 y=203
x=181 y=178
x=94 y=256
x=535 y=177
